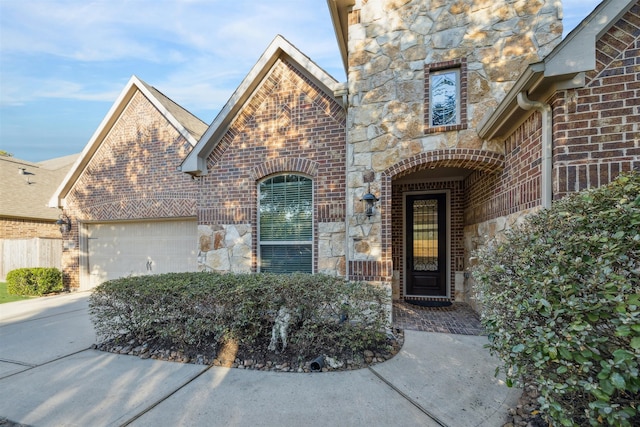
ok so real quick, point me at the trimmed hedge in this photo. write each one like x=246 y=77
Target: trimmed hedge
x=561 y=302
x=35 y=281
x=204 y=310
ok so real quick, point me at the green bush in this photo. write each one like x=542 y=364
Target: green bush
x=561 y=302
x=204 y=310
x=34 y=281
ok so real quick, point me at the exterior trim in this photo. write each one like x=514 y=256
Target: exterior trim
x=196 y=162
x=134 y=85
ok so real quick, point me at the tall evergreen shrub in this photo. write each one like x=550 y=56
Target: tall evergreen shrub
x=561 y=302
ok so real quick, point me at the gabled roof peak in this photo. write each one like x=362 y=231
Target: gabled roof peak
x=189 y=126
x=195 y=163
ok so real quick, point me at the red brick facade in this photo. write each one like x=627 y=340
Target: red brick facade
x=596 y=134
x=289 y=125
x=133 y=175
x=20 y=228
x=461 y=197
x=597 y=128
x=516 y=187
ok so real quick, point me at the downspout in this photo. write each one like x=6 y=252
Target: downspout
x=547 y=145
x=342 y=91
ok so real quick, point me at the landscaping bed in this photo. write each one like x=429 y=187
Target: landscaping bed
x=228 y=320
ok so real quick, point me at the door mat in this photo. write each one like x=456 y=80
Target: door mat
x=424 y=303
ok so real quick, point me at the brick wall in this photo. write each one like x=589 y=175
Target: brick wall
x=19 y=228
x=597 y=128
x=289 y=125
x=515 y=188
x=133 y=175
x=457 y=197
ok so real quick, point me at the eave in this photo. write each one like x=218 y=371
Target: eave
x=196 y=162
x=339 y=10
x=134 y=85
x=563 y=68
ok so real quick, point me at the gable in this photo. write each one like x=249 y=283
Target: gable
x=138 y=160
x=289 y=125
x=185 y=124
x=283 y=109
x=239 y=105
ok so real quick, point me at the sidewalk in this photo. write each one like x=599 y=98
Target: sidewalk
x=49 y=376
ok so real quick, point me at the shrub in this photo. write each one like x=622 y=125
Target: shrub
x=203 y=310
x=561 y=303
x=34 y=281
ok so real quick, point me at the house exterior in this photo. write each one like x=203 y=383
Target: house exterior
x=29 y=235
x=456 y=120
x=132 y=211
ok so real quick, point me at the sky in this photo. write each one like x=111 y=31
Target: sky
x=63 y=63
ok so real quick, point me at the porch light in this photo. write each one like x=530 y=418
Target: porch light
x=369 y=203
x=65 y=224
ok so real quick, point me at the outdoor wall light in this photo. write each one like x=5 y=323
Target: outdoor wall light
x=65 y=224
x=369 y=203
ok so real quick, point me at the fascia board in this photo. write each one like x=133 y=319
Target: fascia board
x=339 y=11
x=577 y=52
x=563 y=68
x=134 y=84
x=493 y=125
x=165 y=112
x=94 y=142
x=195 y=163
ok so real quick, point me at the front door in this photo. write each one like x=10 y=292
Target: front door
x=426 y=250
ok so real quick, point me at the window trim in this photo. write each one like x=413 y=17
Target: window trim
x=260 y=242
x=460 y=65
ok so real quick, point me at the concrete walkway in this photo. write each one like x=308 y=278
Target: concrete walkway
x=49 y=376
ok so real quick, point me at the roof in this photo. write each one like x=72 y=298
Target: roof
x=27 y=187
x=195 y=162
x=188 y=125
x=563 y=68
x=339 y=10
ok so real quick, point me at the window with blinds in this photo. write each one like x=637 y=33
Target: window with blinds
x=286 y=224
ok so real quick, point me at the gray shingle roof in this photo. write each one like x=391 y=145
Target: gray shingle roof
x=26 y=187
x=194 y=125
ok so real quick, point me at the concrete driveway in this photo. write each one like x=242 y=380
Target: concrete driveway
x=50 y=376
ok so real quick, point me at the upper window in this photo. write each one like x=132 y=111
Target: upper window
x=445 y=96
x=286 y=224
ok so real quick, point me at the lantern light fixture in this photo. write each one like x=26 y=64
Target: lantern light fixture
x=65 y=224
x=369 y=203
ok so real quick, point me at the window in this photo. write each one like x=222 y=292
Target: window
x=286 y=224
x=445 y=98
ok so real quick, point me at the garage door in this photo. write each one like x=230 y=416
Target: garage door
x=136 y=248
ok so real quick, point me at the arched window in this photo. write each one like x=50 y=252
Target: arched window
x=286 y=224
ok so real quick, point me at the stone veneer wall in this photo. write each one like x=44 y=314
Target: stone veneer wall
x=393 y=46
x=596 y=133
x=133 y=175
x=288 y=126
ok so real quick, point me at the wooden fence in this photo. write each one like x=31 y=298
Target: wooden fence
x=36 y=252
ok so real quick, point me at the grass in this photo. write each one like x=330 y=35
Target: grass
x=7 y=297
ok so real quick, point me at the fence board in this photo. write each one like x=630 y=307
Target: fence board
x=36 y=252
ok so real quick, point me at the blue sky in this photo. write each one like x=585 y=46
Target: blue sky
x=64 y=62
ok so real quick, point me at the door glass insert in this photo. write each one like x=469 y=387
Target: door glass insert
x=425 y=235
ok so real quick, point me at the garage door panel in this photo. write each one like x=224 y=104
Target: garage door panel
x=136 y=248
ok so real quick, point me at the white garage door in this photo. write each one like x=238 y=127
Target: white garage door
x=136 y=248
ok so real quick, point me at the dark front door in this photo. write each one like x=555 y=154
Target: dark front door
x=426 y=244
